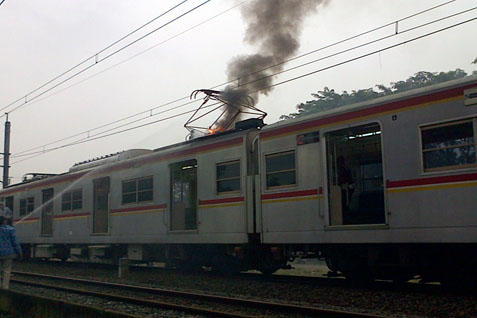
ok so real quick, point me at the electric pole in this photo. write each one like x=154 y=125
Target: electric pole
x=6 y=152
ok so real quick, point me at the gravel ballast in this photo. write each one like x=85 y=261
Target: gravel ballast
x=388 y=302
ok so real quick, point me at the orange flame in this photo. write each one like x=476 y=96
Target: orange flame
x=213 y=131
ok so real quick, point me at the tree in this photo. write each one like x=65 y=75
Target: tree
x=328 y=98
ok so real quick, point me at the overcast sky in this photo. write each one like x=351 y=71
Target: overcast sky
x=41 y=39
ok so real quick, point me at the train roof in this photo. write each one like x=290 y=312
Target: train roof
x=374 y=102
x=104 y=163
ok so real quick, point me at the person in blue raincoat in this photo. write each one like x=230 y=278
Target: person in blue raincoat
x=9 y=249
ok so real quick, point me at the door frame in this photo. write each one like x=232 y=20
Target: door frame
x=326 y=187
x=49 y=203
x=95 y=182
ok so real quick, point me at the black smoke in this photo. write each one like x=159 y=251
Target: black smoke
x=274 y=28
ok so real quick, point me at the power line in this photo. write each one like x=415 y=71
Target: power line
x=142 y=52
x=38 y=153
x=97 y=61
x=371 y=53
x=351 y=37
x=277 y=73
x=93 y=56
x=283 y=62
x=358 y=46
x=149 y=111
x=269 y=86
x=26 y=153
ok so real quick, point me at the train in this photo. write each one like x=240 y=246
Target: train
x=382 y=189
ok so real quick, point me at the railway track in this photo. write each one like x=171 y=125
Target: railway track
x=248 y=276
x=188 y=302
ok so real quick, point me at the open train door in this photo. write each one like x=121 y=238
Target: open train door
x=355 y=176
x=101 y=205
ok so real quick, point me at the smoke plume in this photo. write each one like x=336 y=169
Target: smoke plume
x=273 y=27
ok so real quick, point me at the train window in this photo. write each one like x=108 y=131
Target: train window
x=72 y=200
x=27 y=206
x=137 y=190
x=228 y=177
x=448 y=146
x=9 y=203
x=281 y=170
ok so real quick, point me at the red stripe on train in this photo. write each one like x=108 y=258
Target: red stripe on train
x=432 y=180
x=60 y=216
x=218 y=201
x=140 y=208
x=289 y=194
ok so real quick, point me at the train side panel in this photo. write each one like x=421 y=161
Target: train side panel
x=142 y=200
x=390 y=197
x=290 y=207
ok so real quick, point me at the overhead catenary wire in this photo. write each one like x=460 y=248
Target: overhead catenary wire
x=268 y=67
x=103 y=132
x=94 y=55
x=396 y=22
x=97 y=61
x=371 y=53
x=276 y=84
x=144 y=51
x=18 y=154
x=357 y=46
x=111 y=134
x=272 y=66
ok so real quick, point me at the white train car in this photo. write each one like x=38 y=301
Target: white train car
x=384 y=188
x=185 y=204
x=378 y=186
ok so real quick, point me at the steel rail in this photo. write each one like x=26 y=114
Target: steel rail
x=28 y=305
x=135 y=300
x=257 y=304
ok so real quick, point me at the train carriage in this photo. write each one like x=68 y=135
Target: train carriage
x=190 y=193
x=384 y=188
x=381 y=182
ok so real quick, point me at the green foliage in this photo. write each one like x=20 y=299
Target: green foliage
x=328 y=98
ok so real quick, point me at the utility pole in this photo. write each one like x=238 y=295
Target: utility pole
x=6 y=152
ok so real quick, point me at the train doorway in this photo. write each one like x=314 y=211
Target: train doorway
x=47 y=211
x=184 y=195
x=355 y=176
x=101 y=206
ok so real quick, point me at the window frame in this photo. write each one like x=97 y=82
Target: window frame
x=28 y=204
x=136 y=192
x=267 y=173
x=455 y=122
x=71 y=201
x=239 y=177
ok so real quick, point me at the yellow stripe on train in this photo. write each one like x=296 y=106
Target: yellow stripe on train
x=433 y=187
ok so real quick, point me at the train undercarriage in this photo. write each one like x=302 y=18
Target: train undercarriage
x=452 y=265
